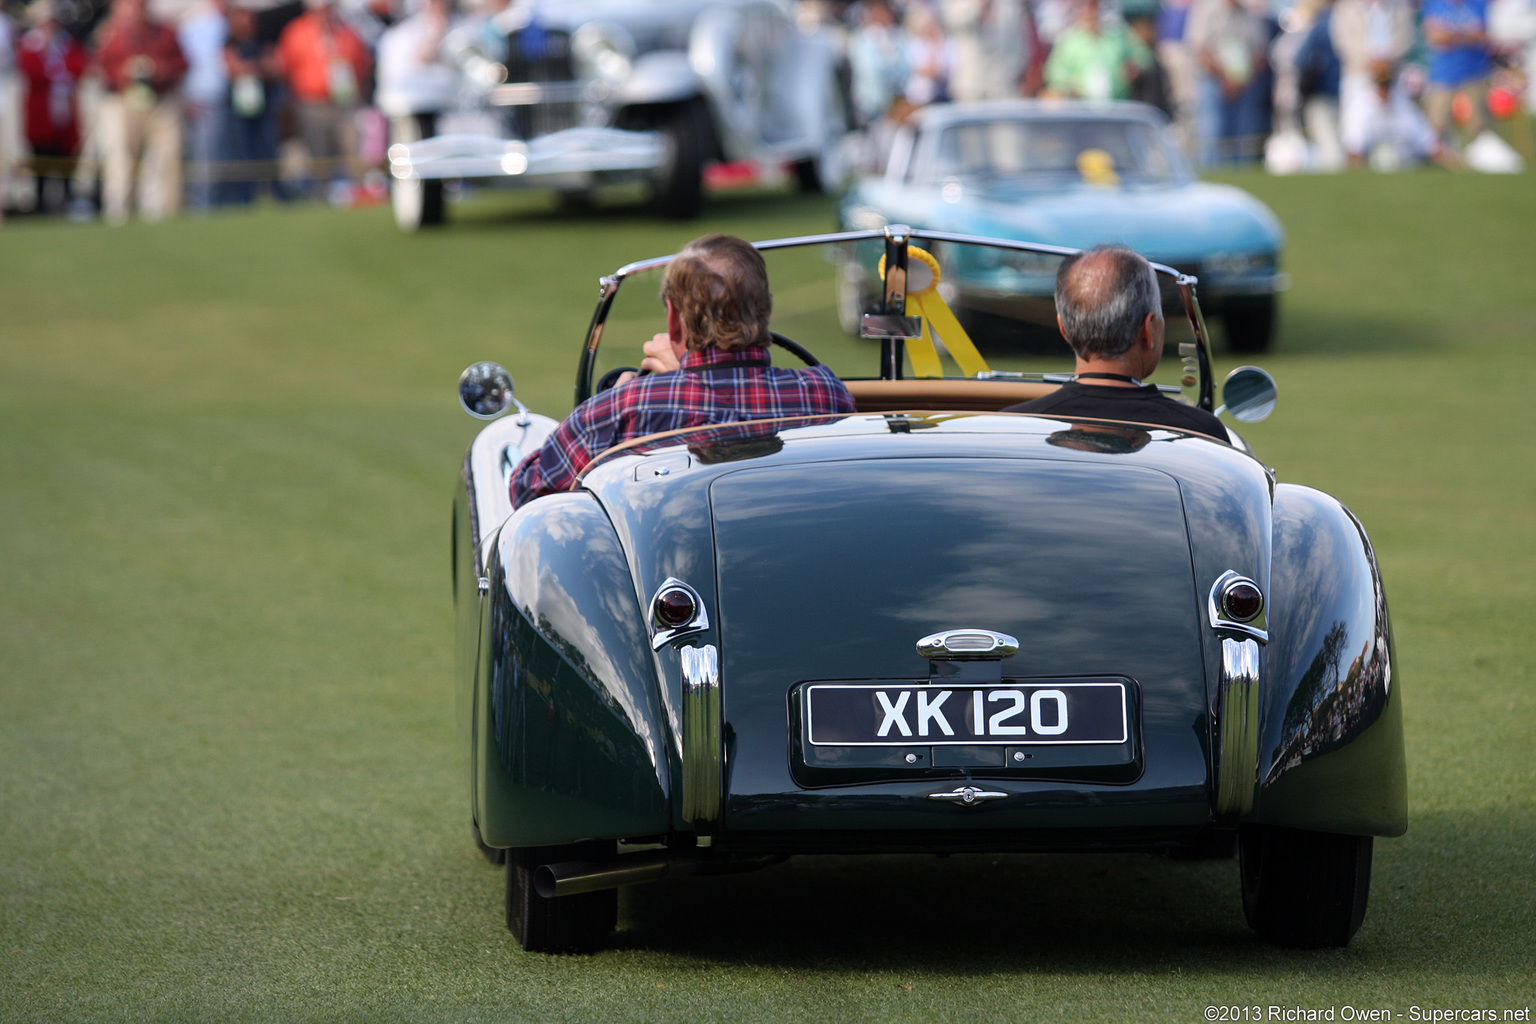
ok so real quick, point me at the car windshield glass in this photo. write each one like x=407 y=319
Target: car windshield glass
x=1095 y=151
x=990 y=303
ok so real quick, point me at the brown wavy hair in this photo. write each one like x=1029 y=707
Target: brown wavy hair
x=718 y=285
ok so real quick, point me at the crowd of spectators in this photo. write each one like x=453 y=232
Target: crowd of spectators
x=146 y=107
x=1299 y=84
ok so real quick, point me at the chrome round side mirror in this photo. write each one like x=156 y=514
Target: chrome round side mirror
x=1248 y=394
x=485 y=390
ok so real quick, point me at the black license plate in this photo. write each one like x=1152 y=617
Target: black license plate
x=1017 y=714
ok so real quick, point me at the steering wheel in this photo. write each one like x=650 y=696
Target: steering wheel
x=794 y=348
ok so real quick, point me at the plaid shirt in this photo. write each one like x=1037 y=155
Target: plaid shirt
x=701 y=393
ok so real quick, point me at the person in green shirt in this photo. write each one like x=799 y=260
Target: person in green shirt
x=1093 y=61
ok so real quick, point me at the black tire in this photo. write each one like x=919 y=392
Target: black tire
x=416 y=203
x=678 y=191
x=563 y=924
x=1304 y=889
x=1250 y=324
x=808 y=176
x=580 y=201
x=433 y=210
x=490 y=853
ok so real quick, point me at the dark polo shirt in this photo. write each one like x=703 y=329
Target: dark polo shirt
x=1143 y=404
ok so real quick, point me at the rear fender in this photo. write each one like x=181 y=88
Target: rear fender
x=1228 y=504
x=571 y=739
x=1331 y=736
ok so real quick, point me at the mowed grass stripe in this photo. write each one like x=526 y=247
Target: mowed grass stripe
x=229 y=783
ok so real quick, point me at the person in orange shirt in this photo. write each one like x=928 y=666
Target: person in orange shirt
x=326 y=66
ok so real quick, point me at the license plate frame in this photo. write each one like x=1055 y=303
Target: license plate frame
x=1013 y=713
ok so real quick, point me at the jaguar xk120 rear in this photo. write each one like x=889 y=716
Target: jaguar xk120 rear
x=927 y=627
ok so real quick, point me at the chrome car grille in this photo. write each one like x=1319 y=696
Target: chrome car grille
x=540 y=89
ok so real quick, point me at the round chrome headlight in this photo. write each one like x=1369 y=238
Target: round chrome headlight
x=603 y=51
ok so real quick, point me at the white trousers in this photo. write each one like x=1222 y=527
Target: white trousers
x=140 y=145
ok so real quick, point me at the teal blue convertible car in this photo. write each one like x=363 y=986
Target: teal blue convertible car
x=1077 y=174
x=925 y=627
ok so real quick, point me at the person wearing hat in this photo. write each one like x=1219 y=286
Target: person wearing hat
x=51 y=63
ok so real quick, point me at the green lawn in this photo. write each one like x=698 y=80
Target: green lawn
x=228 y=787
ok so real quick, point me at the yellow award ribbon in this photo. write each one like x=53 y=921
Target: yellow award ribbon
x=924 y=300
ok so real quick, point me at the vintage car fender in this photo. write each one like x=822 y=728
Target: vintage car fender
x=595 y=768
x=1331 y=744
x=768 y=96
x=732 y=99
x=570 y=738
x=662 y=76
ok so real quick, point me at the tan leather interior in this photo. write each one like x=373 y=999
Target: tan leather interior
x=943 y=395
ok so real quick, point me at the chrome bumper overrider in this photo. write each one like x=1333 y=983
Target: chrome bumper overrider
x=1239 y=726
x=702 y=751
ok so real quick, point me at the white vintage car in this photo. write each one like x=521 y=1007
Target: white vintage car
x=572 y=96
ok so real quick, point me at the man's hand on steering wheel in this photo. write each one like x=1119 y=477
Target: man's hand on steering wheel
x=661 y=355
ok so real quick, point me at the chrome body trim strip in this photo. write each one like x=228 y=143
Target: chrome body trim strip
x=703 y=754
x=1238 y=722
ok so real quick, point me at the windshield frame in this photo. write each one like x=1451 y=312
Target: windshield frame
x=1195 y=355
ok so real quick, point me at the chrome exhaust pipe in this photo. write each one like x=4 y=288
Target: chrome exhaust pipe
x=572 y=877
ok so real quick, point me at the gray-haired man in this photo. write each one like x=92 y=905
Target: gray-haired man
x=1110 y=312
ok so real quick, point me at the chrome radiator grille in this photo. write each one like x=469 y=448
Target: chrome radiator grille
x=540 y=88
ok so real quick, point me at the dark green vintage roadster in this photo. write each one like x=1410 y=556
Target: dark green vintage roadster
x=926 y=627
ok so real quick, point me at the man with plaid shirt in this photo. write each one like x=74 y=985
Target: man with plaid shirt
x=711 y=366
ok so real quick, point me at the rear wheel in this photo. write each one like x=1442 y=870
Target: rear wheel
x=1250 y=324
x=562 y=924
x=1304 y=889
